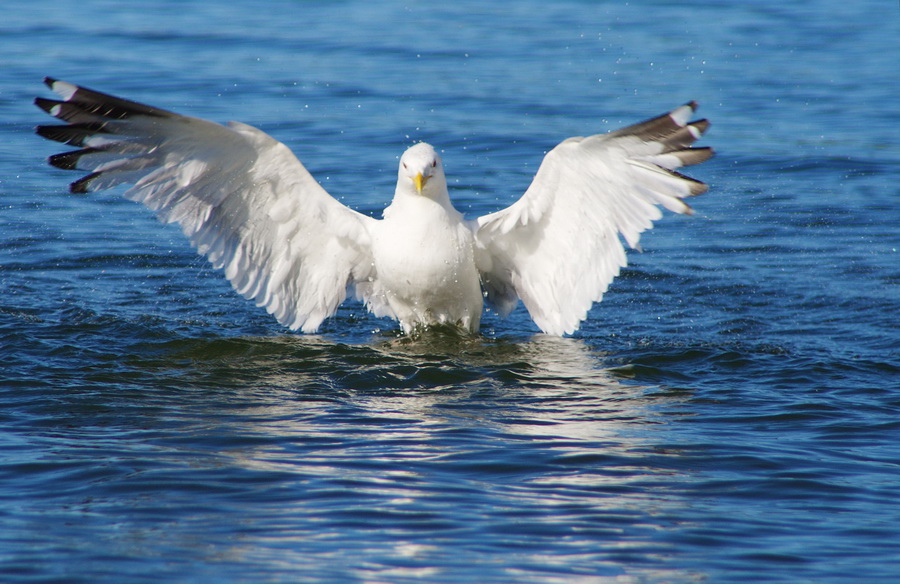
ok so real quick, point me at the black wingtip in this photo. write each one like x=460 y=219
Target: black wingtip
x=69 y=160
x=71 y=134
x=46 y=104
x=81 y=186
x=55 y=132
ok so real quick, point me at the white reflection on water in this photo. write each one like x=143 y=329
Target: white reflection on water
x=532 y=433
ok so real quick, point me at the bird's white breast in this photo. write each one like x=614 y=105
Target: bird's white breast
x=424 y=260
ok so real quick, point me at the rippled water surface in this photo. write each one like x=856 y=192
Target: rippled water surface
x=729 y=413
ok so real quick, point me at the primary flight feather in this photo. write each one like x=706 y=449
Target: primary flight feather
x=249 y=205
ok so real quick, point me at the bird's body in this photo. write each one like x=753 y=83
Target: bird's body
x=425 y=258
x=250 y=206
x=438 y=283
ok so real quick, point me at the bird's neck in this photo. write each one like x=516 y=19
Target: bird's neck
x=416 y=205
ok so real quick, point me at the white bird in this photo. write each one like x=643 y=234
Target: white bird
x=249 y=205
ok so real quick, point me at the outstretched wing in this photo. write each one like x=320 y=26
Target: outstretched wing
x=558 y=248
x=241 y=197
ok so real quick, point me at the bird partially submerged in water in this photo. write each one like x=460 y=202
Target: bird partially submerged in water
x=249 y=205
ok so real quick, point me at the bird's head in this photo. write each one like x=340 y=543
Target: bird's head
x=421 y=169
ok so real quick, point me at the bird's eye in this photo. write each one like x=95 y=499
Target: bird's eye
x=404 y=164
x=433 y=163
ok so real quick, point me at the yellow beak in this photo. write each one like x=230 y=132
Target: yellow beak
x=419 y=180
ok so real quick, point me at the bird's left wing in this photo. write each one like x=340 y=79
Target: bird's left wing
x=557 y=248
x=241 y=197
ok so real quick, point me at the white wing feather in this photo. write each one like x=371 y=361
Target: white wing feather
x=241 y=197
x=557 y=248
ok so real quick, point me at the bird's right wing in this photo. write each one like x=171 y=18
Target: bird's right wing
x=557 y=248
x=241 y=197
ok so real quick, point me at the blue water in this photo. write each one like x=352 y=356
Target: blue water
x=729 y=413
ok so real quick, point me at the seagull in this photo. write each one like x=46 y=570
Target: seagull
x=250 y=206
